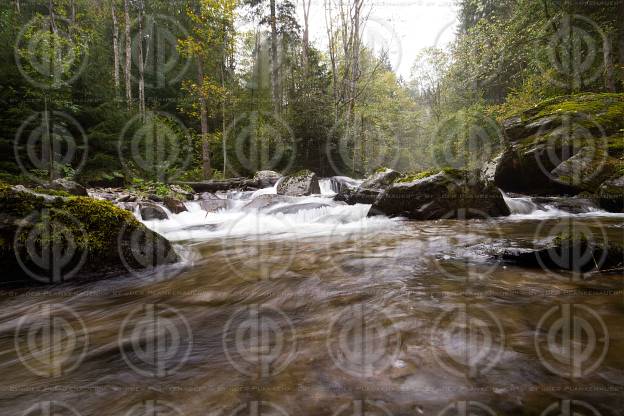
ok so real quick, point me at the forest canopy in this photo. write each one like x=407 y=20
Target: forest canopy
x=114 y=90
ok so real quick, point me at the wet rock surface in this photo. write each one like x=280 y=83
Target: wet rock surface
x=302 y=183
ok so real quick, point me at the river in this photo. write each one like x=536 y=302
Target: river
x=319 y=310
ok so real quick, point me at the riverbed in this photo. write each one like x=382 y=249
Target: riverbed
x=324 y=311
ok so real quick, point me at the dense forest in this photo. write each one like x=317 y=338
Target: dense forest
x=115 y=90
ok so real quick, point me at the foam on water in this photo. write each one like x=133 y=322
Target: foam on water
x=330 y=218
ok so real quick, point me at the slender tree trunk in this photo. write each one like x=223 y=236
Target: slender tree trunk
x=72 y=7
x=203 y=112
x=127 y=68
x=274 y=63
x=608 y=65
x=306 y=32
x=223 y=126
x=115 y=49
x=332 y=56
x=141 y=64
x=620 y=20
x=17 y=7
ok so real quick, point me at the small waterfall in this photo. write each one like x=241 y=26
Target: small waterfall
x=327 y=187
x=521 y=205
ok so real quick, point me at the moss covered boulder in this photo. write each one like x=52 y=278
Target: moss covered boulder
x=51 y=239
x=302 y=183
x=448 y=193
x=564 y=146
x=370 y=189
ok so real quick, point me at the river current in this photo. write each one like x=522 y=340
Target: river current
x=309 y=307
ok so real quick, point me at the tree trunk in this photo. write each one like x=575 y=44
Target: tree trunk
x=608 y=65
x=17 y=6
x=127 y=68
x=306 y=32
x=141 y=64
x=274 y=63
x=115 y=49
x=620 y=20
x=203 y=111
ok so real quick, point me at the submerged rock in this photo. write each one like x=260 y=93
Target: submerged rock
x=302 y=183
x=446 y=194
x=214 y=205
x=573 y=253
x=46 y=240
x=65 y=185
x=265 y=201
x=293 y=209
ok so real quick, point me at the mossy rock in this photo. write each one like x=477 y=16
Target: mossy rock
x=301 y=183
x=51 y=239
x=563 y=146
x=447 y=194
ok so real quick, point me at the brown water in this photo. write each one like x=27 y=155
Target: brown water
x=410 y=319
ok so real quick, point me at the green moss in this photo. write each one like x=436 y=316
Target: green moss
x=411 y=177
x=52 y=192
x=380 y=169
x=94 y=224
x=302 y=173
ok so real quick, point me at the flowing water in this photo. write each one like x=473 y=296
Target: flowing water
x=308 y=307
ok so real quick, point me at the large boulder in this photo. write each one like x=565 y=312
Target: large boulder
x=381 y=179
x=65 y=185
x=370 y=189
x=52 y=240
x=446 y=194
x=266 y=178
x=563 y=146
x=302 y=183
x=610 y=195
